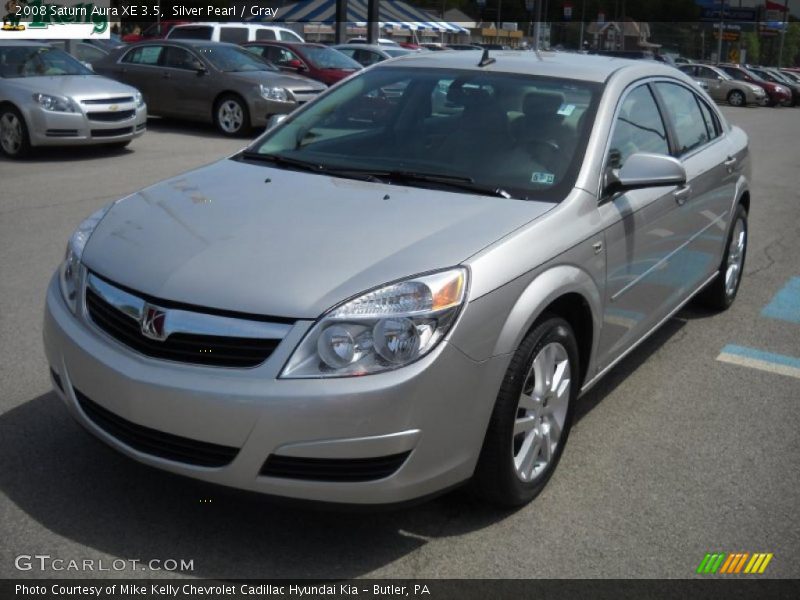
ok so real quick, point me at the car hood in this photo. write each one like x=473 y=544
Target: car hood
x=81 y=86
x=268 y=241
x=279 y=79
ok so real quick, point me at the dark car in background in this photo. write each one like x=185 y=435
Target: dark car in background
x=312 y=60
x=155 y=31
x=775 y=76
x=778 y=94
x=214 y=82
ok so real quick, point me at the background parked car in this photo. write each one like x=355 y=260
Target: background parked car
x=776 y=94
x=370 y=54
x=722 y=87
x=48 y=98
x=84 y=52
x=236 y=33
x=208 y=81
x=381 y=41
x=775 y=76
x=312 y=60
x=464 y=47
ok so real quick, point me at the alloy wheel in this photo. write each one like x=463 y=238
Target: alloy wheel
x=733 y=270
x=541 y=411
x=10 y=133
x=230 y=116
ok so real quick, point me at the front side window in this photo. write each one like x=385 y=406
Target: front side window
x=290 y=36
x=522 y=134
x=178 y=58
x=38 y=61
x=684 y=112
x=639 y=128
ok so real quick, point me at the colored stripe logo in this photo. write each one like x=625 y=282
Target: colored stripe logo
x=734 y=563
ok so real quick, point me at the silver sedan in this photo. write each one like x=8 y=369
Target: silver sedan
x=47 y=98
x=378 y=300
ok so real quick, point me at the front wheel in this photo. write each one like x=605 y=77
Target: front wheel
x=736 y=98
x=532 y=416
x=14 y=139
x=720 y=293
x=231 y=115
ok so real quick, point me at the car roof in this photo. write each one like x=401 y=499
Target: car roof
x=548 y=64
x=178 y=42
x=376 y=47
x=232 y=24
x=285 y=43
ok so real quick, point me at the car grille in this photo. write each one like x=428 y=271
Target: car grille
x=114 y=100
x=111 y=132
x=154 y=442
x=210 y=350
x=111 y=116
x=333 y=469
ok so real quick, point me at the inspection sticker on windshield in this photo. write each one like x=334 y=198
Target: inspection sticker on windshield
x=543 y=178
x=566 y=110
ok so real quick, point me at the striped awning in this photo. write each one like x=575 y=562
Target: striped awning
x=392 y=13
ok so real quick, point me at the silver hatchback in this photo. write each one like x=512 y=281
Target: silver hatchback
x=386 y=296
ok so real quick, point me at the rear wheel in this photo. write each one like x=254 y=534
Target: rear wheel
x=231 y=115
x=720 y=293
x=736 y=98
x=14 y=139
x=532 y=416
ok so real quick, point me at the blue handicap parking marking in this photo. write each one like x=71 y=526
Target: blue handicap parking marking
x=770 y=362
x=785 y=305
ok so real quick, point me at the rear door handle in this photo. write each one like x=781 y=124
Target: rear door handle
x=165 y=75
x=681 y=195
x=730 y=163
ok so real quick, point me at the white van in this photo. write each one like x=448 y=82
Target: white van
x=236 y=33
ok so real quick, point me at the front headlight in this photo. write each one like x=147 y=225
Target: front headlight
x=278 y=94
x=54 y=103
x=381 y=330
x=138 y=99
x=69 y=273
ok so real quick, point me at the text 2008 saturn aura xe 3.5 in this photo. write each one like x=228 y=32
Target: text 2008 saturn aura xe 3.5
x=408 y=283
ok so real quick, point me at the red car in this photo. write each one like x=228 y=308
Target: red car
x=312 y=60
x=155 y=31
x=777 y=94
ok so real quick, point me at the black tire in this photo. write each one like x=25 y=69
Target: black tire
x=496 y=478
x=718 y=295
x=20 y=146
x=737 y=98
x=239 y=122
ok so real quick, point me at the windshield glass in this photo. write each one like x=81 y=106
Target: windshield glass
x=327 y=58
x=522 y=134
x=233 y=59
x=38 y=61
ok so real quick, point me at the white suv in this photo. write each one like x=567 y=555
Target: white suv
x=236 y=33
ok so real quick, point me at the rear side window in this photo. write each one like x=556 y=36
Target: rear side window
x=234 y=35
x=196 y=32
x=144 y=55
x=683 y=110
x=265 y=34
x=639 y=128
x=712 y=123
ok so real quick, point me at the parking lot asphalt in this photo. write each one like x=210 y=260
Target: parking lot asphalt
x=680 y=451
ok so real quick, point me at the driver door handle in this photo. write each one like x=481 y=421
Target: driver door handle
x=682 y=194
x=730 y=163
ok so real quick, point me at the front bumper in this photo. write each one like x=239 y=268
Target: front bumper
x=47 y=128
x=436 y=410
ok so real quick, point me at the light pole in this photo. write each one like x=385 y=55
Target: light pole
x=481 y=6
x=529 y=8
x=721 y=29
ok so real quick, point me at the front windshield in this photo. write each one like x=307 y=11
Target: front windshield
x=232 y=59
x=327 y=58
x=522 y=134
x=38 y=61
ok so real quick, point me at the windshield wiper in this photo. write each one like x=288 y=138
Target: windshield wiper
x=284 y=160
x=443 y=179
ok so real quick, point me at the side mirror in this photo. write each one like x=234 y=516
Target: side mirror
x=645 y=170
x=274 y=120
x=88 y=65
x=297 y=65
x=200 y=68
